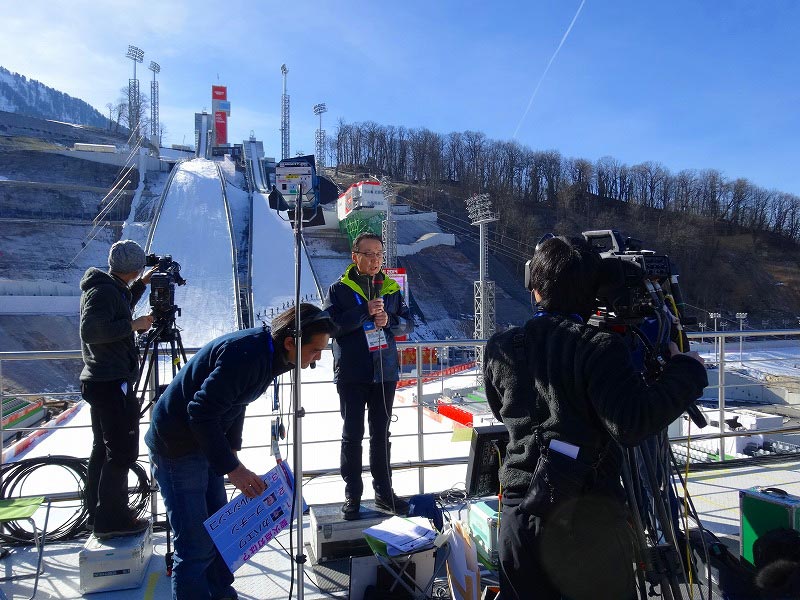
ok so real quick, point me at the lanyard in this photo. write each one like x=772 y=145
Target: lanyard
x=575 y=317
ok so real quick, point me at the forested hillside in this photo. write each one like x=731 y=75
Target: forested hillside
x=24 y=96
x=735 y=243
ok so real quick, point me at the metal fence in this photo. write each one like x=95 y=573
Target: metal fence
x=442 y=360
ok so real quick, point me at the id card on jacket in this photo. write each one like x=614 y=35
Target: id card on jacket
x=376 y=340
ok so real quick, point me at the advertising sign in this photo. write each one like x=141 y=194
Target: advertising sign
x=399 y=275
x=221 y=127
x=244 y=526
x=219 y=92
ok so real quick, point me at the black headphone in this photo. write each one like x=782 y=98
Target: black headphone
x=529 y=263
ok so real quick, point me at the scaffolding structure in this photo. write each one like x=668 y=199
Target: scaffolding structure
x=479 y=208
x=285 y=151
x=389 y=226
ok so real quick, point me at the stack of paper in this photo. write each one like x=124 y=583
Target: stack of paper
x=403 y=535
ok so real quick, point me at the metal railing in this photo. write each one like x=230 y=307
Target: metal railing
x=422 y=372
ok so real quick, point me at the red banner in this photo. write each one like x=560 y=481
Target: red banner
x=221 y=127
x=219 y=92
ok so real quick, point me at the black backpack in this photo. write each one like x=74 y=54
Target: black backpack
x=732 y=579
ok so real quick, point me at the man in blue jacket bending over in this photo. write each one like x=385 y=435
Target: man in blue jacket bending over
x=196 y=433
x=368 y=310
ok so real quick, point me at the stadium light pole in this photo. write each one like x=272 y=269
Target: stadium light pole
x=479 y=209
x=741 y=316
x=320 y=109
x=702 y=326
x=154 y=116
x=137 y=56
x=715 y=316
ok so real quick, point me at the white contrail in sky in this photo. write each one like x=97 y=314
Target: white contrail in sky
x=552 y=58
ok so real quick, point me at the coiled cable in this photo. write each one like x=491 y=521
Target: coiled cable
x=16 y=474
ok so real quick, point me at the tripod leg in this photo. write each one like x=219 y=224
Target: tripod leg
x=174 y=357
x=643 y=561
x=666 y=526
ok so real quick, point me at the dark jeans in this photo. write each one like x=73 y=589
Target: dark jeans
x=586 y=556
x=377 y=400
x=115 y=426
x=192 y=492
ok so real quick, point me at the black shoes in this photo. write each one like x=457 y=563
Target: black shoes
x=133 y=527
x=392 y=503
x=351 y=508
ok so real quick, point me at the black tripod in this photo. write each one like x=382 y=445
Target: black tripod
x=163 y=332
x=647 y=476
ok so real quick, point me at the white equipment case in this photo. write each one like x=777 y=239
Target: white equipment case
x=118 y=563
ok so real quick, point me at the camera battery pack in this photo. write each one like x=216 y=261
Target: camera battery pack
x=118 y=563
x=484 y=523
x=761 y=510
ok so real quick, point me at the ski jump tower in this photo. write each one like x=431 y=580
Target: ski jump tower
x=479 y=208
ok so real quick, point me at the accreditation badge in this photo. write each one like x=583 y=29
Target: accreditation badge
x=376 y=340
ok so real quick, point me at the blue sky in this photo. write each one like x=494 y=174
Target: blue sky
x=690 y=84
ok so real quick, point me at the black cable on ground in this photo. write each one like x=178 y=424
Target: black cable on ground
x=16 y=474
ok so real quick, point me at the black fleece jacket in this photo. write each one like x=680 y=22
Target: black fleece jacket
x=581 y=385
x=107 y=341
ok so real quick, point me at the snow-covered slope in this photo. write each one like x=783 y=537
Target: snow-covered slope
x=193 y=229
x=274 y=262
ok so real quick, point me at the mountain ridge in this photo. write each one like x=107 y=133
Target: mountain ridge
x=25 y=96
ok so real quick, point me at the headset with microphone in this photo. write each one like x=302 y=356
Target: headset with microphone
x=320 y=318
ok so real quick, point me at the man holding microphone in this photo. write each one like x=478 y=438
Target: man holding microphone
x=368 y=310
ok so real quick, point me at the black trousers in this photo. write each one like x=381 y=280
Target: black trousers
x=115 y=427
x=582 y=552
x=377 y=400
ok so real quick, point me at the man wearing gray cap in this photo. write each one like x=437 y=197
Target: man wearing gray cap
x=111 y=365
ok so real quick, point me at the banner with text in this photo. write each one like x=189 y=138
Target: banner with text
x=221 y=126
x=400 y=276
x=244 y=526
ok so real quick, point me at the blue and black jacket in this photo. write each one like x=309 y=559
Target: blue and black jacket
x=202 y=409
x=346 y=303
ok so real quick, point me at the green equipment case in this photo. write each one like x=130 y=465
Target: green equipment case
x=761 y=510
x=484 y=522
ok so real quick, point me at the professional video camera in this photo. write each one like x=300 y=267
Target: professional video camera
x=633 y=284
x=638 y=296
x=162 y=286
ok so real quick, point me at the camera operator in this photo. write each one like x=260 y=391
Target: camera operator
x=570 y=397
x=108 y=379
x=196 y=433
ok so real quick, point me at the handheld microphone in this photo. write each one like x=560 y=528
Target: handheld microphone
x=377 y=283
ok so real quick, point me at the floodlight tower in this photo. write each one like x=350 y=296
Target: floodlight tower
x=137 y=56
x=285 y=152
x=319 y=109
x=479 y=208
x=154 y=137
x=389 y=226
